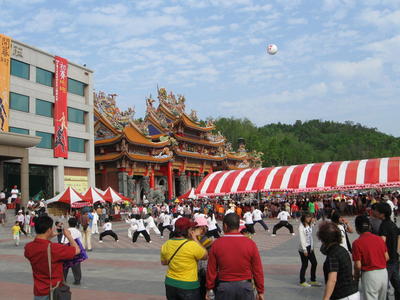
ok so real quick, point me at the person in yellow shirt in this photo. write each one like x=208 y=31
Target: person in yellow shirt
x=181 y=254
x=16 y=230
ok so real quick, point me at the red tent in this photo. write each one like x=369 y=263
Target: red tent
x=112 y=196
x=339 y=175
x=71 y=197
x=93 y=196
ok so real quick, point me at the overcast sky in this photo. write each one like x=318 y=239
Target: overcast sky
x=337 y=60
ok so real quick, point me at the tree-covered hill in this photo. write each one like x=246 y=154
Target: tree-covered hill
x=311 y=141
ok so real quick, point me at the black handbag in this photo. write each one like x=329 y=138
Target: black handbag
x=58 y=292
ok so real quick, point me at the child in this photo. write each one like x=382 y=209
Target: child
x=108 y=231
x=16 y=230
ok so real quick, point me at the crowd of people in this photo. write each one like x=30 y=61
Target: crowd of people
x=200 y=233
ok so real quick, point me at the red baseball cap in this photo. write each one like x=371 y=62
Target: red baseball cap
x=184 y=223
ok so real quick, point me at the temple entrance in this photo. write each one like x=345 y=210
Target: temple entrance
x=178 y=191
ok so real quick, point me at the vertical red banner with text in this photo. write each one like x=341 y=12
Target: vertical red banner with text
x=60 y=107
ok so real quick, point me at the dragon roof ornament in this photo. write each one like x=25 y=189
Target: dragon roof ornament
x=106 y=106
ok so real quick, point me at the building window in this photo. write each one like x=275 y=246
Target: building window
x=44 y=108
x=76 y=144
x=19 y=102
x=44 y=77
x=18 y=130
x=47 y=140
x=19 y=69
x=76 y=87
x=76 y=115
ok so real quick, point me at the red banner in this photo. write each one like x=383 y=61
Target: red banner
x=60 y=108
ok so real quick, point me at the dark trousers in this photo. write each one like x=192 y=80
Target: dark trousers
x=265 y=226
x=250 y=228
x=162 y=228
x=304 y=264
x=282 y=224
x=394 y=278
x=76 y=271
x=174 y=293
x=21 y=225
x=137 y=233
x=108 y=232
x=234 y=290
x=214 y=233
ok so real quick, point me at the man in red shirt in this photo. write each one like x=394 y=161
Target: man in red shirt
x=36 y=253
x=234 y=259
x=370 y=256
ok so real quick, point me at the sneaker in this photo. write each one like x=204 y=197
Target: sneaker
x=314 y=283
x=117 y=241
x=305 y=284
x=76 y=283
x=273 y=234
x=100 y=241
x=161 y=237
x=149 y=242
x=293 y=233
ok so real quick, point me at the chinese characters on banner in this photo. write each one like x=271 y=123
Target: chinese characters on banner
x=5 y=61
x=60 y=108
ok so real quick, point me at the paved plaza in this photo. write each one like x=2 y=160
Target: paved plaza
x=133 y=271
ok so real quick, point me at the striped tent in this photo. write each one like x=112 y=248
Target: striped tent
x=340 y=175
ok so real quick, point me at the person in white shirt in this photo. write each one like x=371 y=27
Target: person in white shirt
x=150 y=224
x=176 y=217
x=180 y=210
x=141 y=229
x=21 y=220
x=306 y=251
x=248 y=222
x=283 y=216
x=30 y=205
x=107 y=227
x=95 y=222
x=231 y=210
x=165 y=221
x=27 y=221
x=132 y=225
x=76 y=234
x=3 y=210
x=392 y=206
x=212 y=226
x=257 y=218
x=14 y=193
x=344 y=228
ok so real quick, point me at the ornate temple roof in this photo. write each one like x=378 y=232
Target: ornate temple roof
x=163 y=127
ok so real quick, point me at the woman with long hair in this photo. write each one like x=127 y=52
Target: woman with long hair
x=306 y=251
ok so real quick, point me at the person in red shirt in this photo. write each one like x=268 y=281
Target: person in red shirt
x=36 y=253
x=234 y=259
x=370 y=256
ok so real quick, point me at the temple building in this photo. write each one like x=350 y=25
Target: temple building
x=167 y=152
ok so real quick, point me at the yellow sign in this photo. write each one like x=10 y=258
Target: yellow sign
x=5 y=63
x=78 y=183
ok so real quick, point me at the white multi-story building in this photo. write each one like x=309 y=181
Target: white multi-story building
x=31 y=108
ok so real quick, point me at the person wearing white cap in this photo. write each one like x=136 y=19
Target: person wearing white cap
x=21 y=220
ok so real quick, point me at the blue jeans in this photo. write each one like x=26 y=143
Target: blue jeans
x=41 y=298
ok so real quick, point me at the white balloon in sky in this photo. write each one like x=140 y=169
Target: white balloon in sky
x=272 y=49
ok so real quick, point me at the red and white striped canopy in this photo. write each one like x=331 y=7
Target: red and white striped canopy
x=357 y=174
x=112 y=196
x=71 y=197
x=93 y=196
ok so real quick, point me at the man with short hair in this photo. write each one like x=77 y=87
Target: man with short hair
x=36 y=252
x=370 y=255
x=390 y=233
x=257 y=218
x=234 y=259
x=86 y=231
